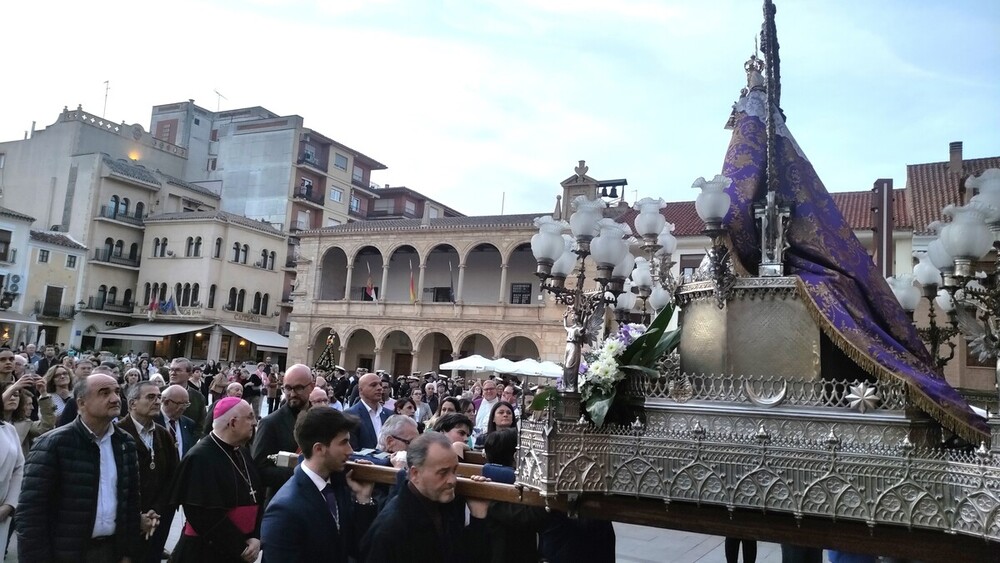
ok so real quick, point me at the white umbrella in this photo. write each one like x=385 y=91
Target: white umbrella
x=503 y=365
x=474 y=362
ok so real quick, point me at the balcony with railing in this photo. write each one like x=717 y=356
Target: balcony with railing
x=306 y=159
x=111 y=212
x=105 y=256
x=309 y=195
x=102 y=304
x=47 y=310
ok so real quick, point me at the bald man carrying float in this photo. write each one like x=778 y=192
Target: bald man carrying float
x=370 y=411
x=276 y=432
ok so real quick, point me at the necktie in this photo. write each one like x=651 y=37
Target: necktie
x=173 y=430
x=331 y=502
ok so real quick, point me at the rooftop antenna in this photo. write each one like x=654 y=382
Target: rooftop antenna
x=218 y=100
x=107 y=87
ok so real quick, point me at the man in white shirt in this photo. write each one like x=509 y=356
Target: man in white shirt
x=61 y=474
x=370 y=411
x=489 y=399
x=320 y=514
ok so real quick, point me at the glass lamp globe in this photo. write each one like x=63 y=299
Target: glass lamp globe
x=650 y=221
x=906 y=293
x=667 y=240
x=944 y=301
x=608 y=247
x=583 y=222
x=713 y=202
x=641 y=276
x=547 y=244
x=967 y=237
x=625 y=267
x=659 y=298
x=564 y=265
x=925 y=272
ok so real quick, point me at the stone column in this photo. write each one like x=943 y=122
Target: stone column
x=378 y=359
x=347 y=286
x=343 y=355
x=420 y=282
x=502 y=298
x=385 y=283
x=461 y=283
x=215 y=343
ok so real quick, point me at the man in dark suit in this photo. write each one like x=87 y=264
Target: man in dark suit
x=370 y=412
x=276 y=431
x=171 y=417
x=181 y=370
x=158 y=461
x=313 y=516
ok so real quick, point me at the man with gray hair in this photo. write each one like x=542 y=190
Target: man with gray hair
x=88 y=463
x=158 y=459
x=427 y=513
x=171 y=416
x=181 y=370
x=396 y=434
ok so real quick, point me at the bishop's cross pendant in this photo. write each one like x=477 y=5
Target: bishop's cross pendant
x=253 y=495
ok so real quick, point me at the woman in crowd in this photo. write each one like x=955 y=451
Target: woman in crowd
x=18 y=407
x=131 y=378
x=144 y=368
x=158 y=380
x=467 y=407
x=477 y=394
x=405 y=406
x=58 y=383
x=11 y=472
x=273 y=382
x=218 y=387
x=251 y=388
x=501 y=416
x=448 y=405
x=423 y=409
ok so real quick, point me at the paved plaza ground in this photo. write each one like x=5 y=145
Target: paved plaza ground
x=635 y=544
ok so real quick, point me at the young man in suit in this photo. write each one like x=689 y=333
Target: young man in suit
x=369 y=411
x=320 y=514
x=171 y=416
x=276 y=430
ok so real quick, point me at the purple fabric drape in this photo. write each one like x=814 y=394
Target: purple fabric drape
x=855 y=306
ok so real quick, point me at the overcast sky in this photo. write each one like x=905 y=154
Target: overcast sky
x=474 y=102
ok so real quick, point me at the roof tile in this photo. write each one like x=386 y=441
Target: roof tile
x=56 y=238
x=931 y=187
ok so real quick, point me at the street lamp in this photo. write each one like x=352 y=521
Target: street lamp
x=712 y=205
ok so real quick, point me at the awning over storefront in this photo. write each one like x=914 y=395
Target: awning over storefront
x=17 y=318
x=266 y=341
x=151 y=332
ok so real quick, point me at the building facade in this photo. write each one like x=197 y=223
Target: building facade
x=56 y=262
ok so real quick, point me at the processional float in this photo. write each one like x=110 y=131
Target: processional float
x=800 y=394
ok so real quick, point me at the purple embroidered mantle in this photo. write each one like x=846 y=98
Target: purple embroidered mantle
x=850 y=300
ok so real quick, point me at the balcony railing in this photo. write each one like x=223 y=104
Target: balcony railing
x=108 y=256
x=54 y=311
x=110 y=212
x=360 y=183
x=101 y=304
x=311 y=161
x=10 y=256
x=308 y=195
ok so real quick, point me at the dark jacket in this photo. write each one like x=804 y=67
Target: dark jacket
x=58 y=502
x=196 y=412
x=154 y=489
x=405 y=523
x=275 y=433
x=187 y=429
x=298 y=525
x=364 y=435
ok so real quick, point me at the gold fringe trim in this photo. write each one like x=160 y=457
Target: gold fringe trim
x=880 y=372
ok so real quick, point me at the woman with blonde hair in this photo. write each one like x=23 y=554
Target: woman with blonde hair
x=58 y=384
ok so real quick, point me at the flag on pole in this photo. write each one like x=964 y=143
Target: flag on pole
x=413 y=287
x=154 y=304
x=369 y=288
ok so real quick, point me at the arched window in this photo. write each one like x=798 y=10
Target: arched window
x=102 y=297
x=236 y=252
x=218 y=248
x=178 y=293
x=112 y=295
x=133 y=251
x=189 y=248
x=185 y=297
x=123 y=207
x=241 y=300
x=194 y=295
x=163 y=247
x=211 y=296
x=244 y=253
x=146 y=294
x=162 y=294
x=127 y=297
x=156 y=247
x=256 y=304
x=263 y=258
x=197 y=246
x=109 y=247
x=270 y=262
x=231 y=305
x=140 y=210
x=263 y=304
x=113 y=206
x=119 y=246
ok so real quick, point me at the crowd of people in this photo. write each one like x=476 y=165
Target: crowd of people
x=98 y=452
